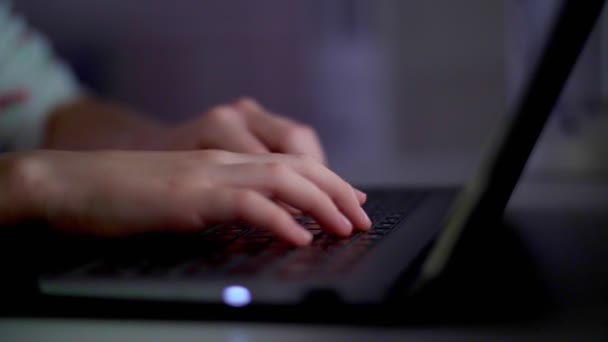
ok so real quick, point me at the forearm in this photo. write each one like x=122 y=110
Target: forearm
x=88 y=124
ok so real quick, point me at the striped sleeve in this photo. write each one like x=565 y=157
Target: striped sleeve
x=32 y=83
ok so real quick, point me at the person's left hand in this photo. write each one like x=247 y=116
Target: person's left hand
x=245 y=127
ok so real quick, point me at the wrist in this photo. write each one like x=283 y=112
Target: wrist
x=19 y=174
x=89 y=123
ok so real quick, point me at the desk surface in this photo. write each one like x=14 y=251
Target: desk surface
x=563 y=226
x=588 y=324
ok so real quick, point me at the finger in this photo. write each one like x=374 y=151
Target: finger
x=234 y=134
x=289 y=209
x=280 y=134
x=283 y=184
x=225 y=205
x=361 y=196
x=342 y=193
x=339 y=191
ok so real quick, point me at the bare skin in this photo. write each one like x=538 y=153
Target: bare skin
x=111 y=193
x=113 y=190
x=242 y=126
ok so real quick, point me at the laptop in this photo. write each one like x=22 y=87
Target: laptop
x=415 y=234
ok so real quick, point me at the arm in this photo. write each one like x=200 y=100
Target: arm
x=42 y=105
x=118 y=193
x=241 y=126
x=90 y=123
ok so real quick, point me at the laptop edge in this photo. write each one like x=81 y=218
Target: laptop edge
x=487 y=193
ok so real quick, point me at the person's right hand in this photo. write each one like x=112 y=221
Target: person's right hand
x=111 y=193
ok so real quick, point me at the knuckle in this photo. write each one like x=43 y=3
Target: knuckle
x=222 y=113
x=244 y=199
x=296 y=133
x=277 y=171
x=303 y=131
x=247 y=102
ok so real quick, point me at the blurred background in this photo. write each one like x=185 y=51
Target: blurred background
x=400 y=91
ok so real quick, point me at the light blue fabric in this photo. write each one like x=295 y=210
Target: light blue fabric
x=27 y=63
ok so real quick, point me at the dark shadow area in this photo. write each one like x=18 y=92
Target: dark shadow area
x=492 y=280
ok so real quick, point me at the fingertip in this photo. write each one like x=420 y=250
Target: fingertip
x=302 y=237
x=346 y=228
x=366 y=222
x=361 y=196
x=365 y=228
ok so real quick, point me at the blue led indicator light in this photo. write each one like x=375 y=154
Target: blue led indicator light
x=236 y=296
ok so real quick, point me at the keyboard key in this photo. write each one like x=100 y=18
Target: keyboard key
x=260 y=233
x=294 y=271
x=247 y=251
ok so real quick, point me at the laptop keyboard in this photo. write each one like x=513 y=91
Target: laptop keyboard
x=242 y=251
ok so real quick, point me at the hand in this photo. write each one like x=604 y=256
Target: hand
x=246 y=127
x=121 y=193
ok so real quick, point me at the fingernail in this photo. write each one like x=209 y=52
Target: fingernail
x=365 y=218
x=348 y=226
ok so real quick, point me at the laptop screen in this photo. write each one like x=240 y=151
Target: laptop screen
x=488 y=191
